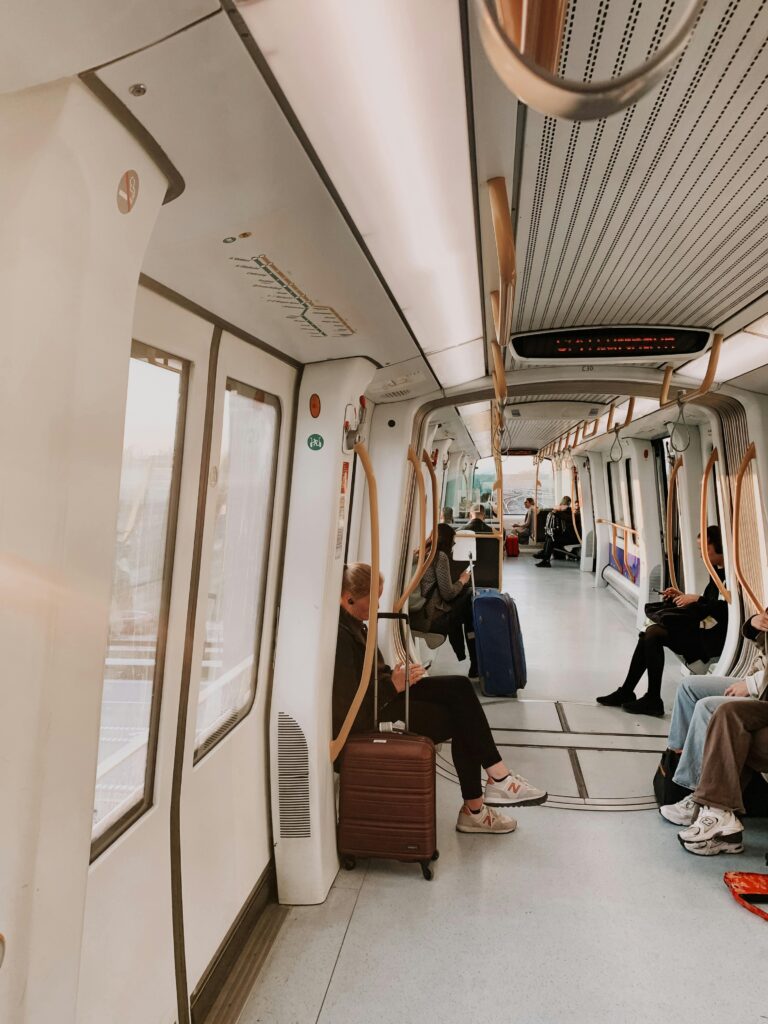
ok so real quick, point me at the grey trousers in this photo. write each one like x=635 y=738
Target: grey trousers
x=737 y=741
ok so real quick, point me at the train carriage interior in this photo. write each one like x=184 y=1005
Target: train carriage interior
x=288 y=286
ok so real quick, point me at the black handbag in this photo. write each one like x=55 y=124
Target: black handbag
x=668 y=615
x=665 y=788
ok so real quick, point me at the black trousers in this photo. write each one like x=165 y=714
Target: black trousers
x=649 y=656
x=458 y=624
x=446 y=708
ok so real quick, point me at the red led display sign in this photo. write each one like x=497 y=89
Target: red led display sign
x=611 y=343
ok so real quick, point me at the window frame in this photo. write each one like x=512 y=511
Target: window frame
x=162 y=358
x=231 y=722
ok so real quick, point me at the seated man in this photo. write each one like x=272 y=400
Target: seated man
x=477 y=523
x=737 y=742
x=558 y=530
x=696 y=701
x=524 y=529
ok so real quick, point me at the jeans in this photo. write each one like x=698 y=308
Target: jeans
x=696 y=701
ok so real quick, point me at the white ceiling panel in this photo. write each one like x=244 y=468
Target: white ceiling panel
x=657 y=214
x=378 y=86
x=299 y=280
x=42 y=40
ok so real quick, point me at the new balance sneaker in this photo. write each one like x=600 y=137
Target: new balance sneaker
x=514 y=790
x=681 y=813
x=488 y=820
x=711 y=847
x=712 y=823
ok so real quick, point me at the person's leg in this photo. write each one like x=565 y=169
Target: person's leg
x=689 y=692
x=656 y=639
x=634 y=675
x=727 y=752
x=689 y=767
x=546 y=553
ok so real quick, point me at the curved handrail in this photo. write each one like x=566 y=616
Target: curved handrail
x=671 y=491
x=435 y=511
x=420 y=565
x=505 y=251
x=574 y=489
x=615 y=527
x=495 y=305
x=500 y=384
x=534 y=532
x=665 y=385
x=630 y=412
x=577 y=101
x=371 y=643
x=749 y=455
x=709 y=376
x=704 y=523
x=611 y=417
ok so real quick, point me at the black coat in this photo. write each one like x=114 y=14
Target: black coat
x=350 y=655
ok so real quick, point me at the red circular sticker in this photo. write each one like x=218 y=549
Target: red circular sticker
x=128 y=191
x=314 y=406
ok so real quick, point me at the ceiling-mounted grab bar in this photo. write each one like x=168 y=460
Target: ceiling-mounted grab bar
x=500 y=378
x=665 y=385
x=495 y=308
x=671 y=491
x=611 y=417
x=371 y=643
x=544 y=90
x=749 y=455
x=505 y=251
x=709 y=376
x=704 y=523
x=422 y=503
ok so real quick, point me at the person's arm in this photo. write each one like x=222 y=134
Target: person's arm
x=754 y=628
x=447 y=589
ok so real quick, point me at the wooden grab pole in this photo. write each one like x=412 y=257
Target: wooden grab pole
x=422 y=503
x=371 y=644
x=749 y=455
x=704 y=523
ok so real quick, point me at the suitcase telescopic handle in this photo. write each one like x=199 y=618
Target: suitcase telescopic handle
x=402 y=617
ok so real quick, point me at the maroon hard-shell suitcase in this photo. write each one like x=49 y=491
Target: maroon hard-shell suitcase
x=387 y=797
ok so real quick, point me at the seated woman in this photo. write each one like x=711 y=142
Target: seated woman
x=696 y=701
x=448 y=607
x=441 y=707
x=686 y=638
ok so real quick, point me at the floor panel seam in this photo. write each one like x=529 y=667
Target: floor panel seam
x=341 y=946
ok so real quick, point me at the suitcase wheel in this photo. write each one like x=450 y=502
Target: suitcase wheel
x=435 y=855
x=426 y=870
x=349 y=863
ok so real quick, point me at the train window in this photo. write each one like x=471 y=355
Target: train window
x=141 y=586
x=238 y=573
x=630 y=497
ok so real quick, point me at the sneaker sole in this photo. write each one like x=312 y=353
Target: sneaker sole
x=485 y=831
x=533 y=802
x=711 y=847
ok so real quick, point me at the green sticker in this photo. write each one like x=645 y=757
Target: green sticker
x=315 y=442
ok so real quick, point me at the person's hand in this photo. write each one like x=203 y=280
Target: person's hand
x=739 y=689
x=465 y=577
x=760 y=621
x=686 y=599
x=670 y=593
x=417 y=672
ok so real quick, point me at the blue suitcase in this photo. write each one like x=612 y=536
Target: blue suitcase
x=500 y=651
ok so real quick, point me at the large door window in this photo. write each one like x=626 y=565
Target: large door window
x=141 y=583
x=242 y=525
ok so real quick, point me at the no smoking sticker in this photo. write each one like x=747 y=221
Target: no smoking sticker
x=128 y=191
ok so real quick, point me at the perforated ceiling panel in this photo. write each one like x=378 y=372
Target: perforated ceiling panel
x=658 y=214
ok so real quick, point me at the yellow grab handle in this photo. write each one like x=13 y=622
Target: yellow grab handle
x=371 y=644
x=670 y=519
x=420 y=565
x=704 y=523
x=749 y=455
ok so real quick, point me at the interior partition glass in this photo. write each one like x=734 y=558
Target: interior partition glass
x=241 y=525
x=133 y=666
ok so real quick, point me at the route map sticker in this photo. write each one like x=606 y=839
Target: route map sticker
x=342 y=520
x=315 y=442
x=128 y=191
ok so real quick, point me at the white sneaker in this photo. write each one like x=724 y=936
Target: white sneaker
x=681 y=813
x=730 y=844
x=712 y=823
x=488 y=820
x=514 y=790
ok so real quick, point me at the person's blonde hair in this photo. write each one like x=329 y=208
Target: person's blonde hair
x=478 y=510
x=356 y=580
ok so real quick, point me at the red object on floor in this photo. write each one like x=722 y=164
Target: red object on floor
x=746 y=884
x=512 y=545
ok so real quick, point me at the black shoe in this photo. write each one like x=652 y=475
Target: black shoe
x=645 y=706
x=617 y=698
x=544 y=565
x=472 y=673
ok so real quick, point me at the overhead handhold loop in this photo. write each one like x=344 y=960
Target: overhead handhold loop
x=616 y=442
x=680 y=427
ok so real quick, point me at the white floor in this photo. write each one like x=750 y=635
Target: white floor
x=576 y=917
